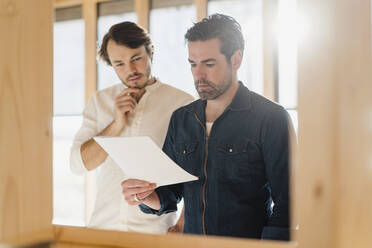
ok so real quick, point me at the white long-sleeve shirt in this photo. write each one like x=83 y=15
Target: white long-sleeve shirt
x=151 y=118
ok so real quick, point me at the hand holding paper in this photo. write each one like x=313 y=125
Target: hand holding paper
x=140 y=158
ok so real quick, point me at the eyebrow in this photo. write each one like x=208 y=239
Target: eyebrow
x=120 y=61
x=204 y=61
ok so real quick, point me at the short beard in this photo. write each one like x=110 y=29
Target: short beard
x=136 y=86
x=217 y=90
x=148 y=75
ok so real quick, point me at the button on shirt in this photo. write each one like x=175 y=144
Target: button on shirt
x=150 y=118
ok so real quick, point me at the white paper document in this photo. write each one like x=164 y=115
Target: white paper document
x=141 y=158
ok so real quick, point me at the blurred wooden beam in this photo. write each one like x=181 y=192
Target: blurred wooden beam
x=26 y=108
x=72 y=3
x=201 y=9
x=84 y=236
x=90 y=20
x=142 y=8
x=334 y=174
x=270 y=48
x=59 y=4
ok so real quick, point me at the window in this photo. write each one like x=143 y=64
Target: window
x=68 y=95
x=110 y=13
x=287 y=43
x=169 y=21
x=249 y=16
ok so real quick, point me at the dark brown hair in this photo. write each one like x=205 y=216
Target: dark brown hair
x=220 y=26
x=128 y=34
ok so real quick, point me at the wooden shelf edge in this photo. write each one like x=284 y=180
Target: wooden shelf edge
x=87 y=236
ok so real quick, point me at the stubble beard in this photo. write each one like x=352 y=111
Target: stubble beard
x=217 y=89
x=138 y=86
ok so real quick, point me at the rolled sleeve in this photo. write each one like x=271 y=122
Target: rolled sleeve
x=87 y=131
x=168 y=201
x=76 y=162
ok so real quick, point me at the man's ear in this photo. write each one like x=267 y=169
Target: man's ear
x=236 y=59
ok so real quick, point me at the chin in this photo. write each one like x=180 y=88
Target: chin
x=133 y=85
x=139 y=85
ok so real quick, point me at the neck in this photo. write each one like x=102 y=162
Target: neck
x=217 y=106
x=151 y=81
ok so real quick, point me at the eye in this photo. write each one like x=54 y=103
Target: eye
x=119 y=65
x=136 y=59
x=192 y=64
x=210 y=65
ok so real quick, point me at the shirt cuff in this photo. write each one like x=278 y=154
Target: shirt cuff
x=275 y=233
x=166 y=206
x=76 y=162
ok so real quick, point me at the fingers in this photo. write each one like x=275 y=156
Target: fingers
x=125 y=100
x=129 y=91
x=125 y=104
x=141 y=192
x=133 y=92
x=139 y=188
x=136 y=199
x=145 y=194
x=125 y=108
x=133 y=183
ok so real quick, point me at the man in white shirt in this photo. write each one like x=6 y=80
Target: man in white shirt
x=139 y=106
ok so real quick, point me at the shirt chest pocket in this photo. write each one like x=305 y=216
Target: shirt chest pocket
x=239 y=161
x=187 y=156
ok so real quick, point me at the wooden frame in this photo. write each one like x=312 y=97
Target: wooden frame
x=333 y=170
x=270 y=48
x=26 y=105
x=142 y=8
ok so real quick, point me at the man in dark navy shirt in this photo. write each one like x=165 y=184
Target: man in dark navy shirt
x=235 y=141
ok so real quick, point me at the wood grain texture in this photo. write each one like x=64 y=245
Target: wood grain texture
x=26 y=79
x=90 y=20
x=201 y=9
x=142 y=8
x=59 y=4
x=270 y=47
x=71 y=3
x=316 y=173
x=85 y=236
x=353 y=82
x=334 y=176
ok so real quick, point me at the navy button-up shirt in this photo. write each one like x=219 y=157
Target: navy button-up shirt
x=242 y=168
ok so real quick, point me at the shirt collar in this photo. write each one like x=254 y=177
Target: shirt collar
x=241 y=100
x=153 y=86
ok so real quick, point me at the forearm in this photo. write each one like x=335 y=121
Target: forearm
x=91 y=153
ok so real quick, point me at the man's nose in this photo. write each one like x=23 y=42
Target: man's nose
x=198 y=72
x=132 y=68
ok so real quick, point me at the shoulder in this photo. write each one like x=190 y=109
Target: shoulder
x=266 y=107
x=107 y=95
x=261 y=102
x=173 y=91
x=104 y=97
x=187 y=110
x=112 y=91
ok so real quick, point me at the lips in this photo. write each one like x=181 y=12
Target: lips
x=134 y=78
x=204 y=86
